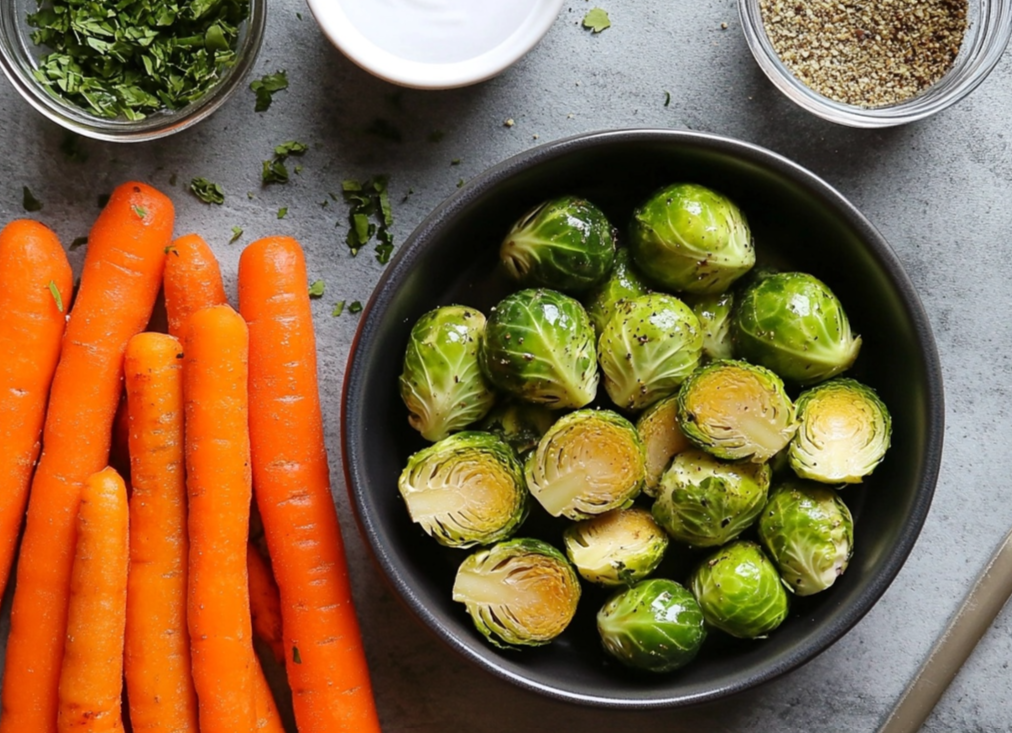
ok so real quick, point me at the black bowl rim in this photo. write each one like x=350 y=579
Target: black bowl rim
x=352 y=442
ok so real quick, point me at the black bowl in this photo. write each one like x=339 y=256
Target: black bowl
x=799 y=222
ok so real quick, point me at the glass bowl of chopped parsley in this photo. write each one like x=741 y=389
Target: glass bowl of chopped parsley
x=876 y=64
x=129 y=70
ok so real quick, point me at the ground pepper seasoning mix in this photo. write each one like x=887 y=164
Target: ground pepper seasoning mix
x=869 y=53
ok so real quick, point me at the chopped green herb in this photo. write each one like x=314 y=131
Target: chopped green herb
x=171 y=249
x=266 y=86
x=79 y=242
x=172 y=179
x=596 y=20
x=355 y=307
x=274 y=171
x=56 y=295
x=72 y=150
x=129 y=58
x=317 y=288
x=296 y=657
x=299 y=16
x=282 y=212
x=140 y=211
x=460 y=183
x=28 y=200
x=338 y=309
x=209 y=193
x=667 y=98
x=236 y=233
x=370 y=215
x=455 y=161
x=384 y=129
x=297 y=170
x=292 y=147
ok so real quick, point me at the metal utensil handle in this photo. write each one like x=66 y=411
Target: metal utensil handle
x=980 y=607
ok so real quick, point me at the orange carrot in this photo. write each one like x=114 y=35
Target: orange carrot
x=264 y=603
x=91 y=680
x=119 y=284
x=159 y=684
x=32 y=319
x=326 y=666
x=268 y=719
x=192 y=281
x=215 y=374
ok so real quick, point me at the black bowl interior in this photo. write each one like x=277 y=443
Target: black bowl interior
x=800 y=223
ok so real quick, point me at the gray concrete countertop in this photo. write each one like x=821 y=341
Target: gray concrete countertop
x=939 y=191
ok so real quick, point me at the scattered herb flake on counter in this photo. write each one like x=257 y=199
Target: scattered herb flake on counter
x=667 y=98
x=274 y=171
x=282 y=212
x=385 y=130
x=368 y=201
x=55 y=292
x=869 y=54
x=130 y=58
x=236 y=233
x=292 y=147
x=28 y=200
x=317 y=288
x=79 y=242
x=338 y=309
x=206 y=191
x=596 y=20
x=72 y=150
x=265 y=88
x=355 y=307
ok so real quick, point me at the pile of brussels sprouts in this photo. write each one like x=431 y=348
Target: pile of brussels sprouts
x=699 y=442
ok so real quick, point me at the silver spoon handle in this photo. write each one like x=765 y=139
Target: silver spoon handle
x=980 y=607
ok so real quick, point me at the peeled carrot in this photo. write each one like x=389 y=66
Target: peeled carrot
x=264 y=603
x=91 y=680
x=119 y=284
x=31 y=329
x=215 y=374
x=192 y=281
x=159 y=682
x=326 y=665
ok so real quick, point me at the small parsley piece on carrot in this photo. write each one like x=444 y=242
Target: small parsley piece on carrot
x=55 y=290
x=208 y=192
x=296 y=657
x=140 y=211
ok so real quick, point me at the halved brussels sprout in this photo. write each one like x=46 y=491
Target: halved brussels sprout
x=714 y=314
x=616 y=548
x=792 y=323
x=624 y=283
x=808 y=531
x=539 y=346
x=467 y=489
x=519 y=593
x=844 y=432
x=588 y=463
x=739 y=591
x=692 y=239
x=521 y=424
x=662 y=438
x=441 y=383
x=705 y=502
x=648 y=348
x=566 y=243
x=656 y=625
x=736 y=411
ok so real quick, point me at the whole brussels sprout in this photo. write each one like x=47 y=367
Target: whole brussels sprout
x=616 y=548
x=689 y=238
x=441 y=383
x=705 y=502
x=714 y=314
x=522 y=592
x=566 y=243
x=656 y=625
x=467 y=489
x=623 y=283
x=521 y=424
x=736 y=411
x=650 y=345
x=662 y=438
x=792 y=323
x=843 y=434
x=808 y=531
x=739 y=591
x=588 y=463
x=539 y=346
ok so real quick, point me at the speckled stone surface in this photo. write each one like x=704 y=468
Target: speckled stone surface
x=940 y=191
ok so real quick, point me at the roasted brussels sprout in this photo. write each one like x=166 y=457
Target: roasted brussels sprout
x=588 y=463
x=689 y=238
x=656 y=625
x=519 y=593
x=623 y=283
x=844 y=431
x=736 y=411
x=441 y=383
x=467 y=489
x=714 y=314
x=539 y=346
x=662 y=438
x=792 y=323
x=521 y=424
x=566 y=243
x=616 y=548
x=808 y=531
x=739 y=591
x=705 y=502
x=648 y=348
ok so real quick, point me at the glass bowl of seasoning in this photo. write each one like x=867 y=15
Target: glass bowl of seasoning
x=876 y=63
x=128 y=70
